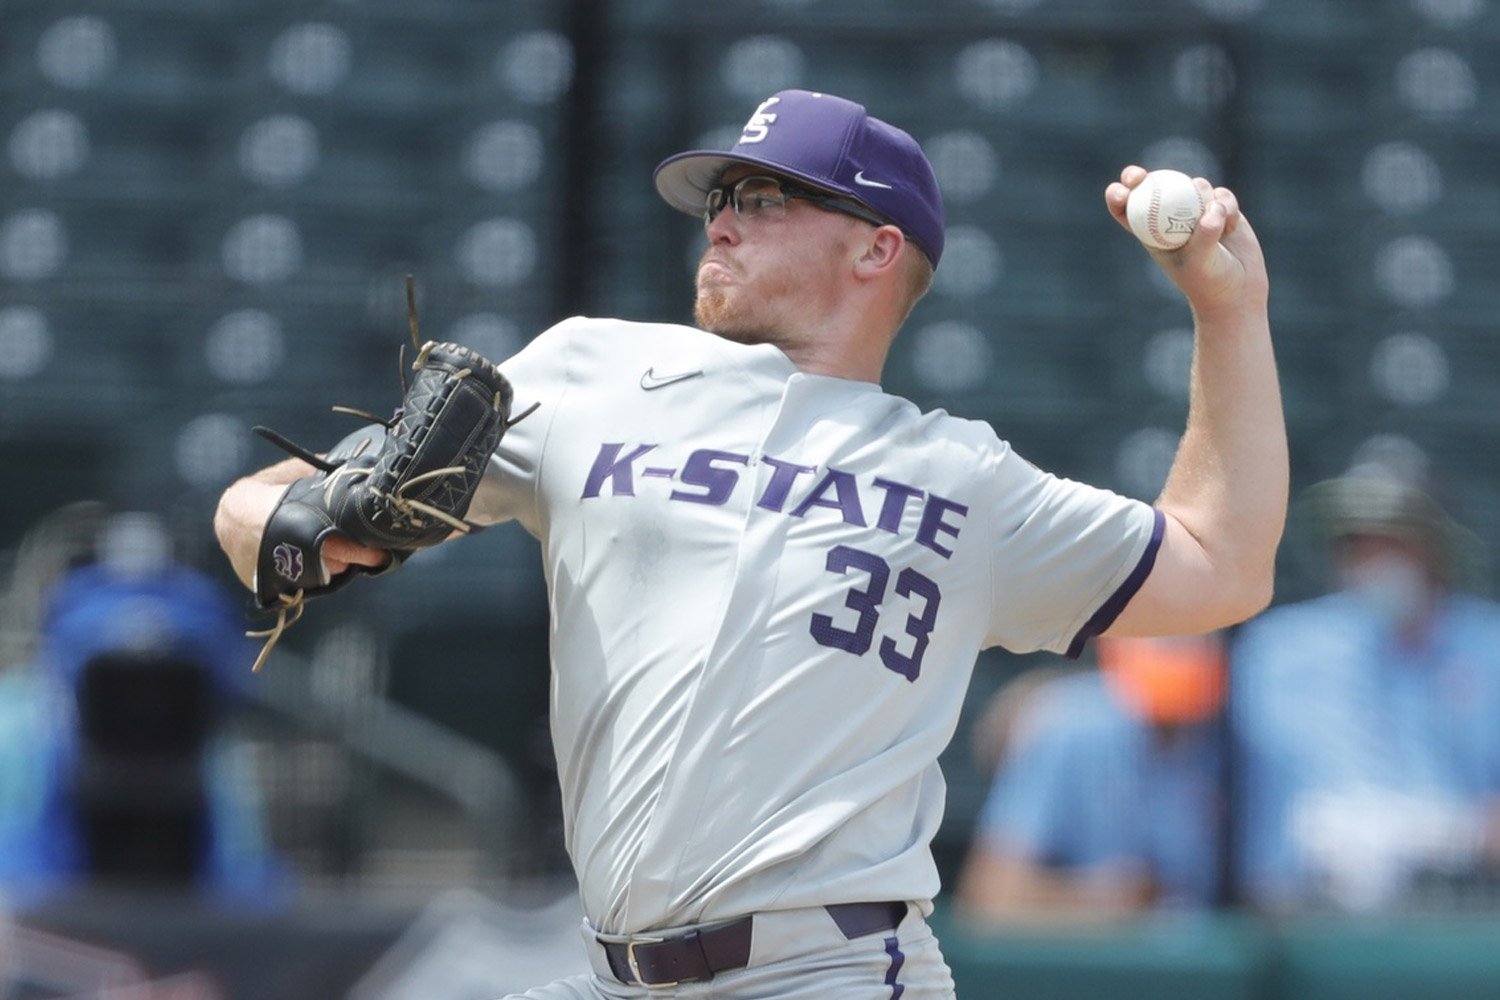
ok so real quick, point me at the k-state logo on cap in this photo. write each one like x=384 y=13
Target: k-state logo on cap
x=288 y=561
x=760 y=123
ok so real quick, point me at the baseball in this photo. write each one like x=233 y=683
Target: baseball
x=1164 y=209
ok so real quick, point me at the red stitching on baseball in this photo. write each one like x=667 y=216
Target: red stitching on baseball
x=1151 y=215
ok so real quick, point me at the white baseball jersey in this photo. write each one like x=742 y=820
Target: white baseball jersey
x=768 y=590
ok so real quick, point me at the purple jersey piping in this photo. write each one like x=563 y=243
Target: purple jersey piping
x=1110 y=609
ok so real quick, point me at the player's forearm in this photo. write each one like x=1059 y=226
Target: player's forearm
x=1228 y=485
x=241 y=515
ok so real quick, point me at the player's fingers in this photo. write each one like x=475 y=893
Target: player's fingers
x=340 y=553
x=1118 y=192
x=1211 y=225
x=1242 y=226
x=1115 y=197
x=1130 y=177
x=1202 y=248
x=1243 y=242
x=1231 y=204
x=1205 y=191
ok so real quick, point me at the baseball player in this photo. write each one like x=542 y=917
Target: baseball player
x=769 y=579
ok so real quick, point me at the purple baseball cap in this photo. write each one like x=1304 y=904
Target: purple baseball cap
x=829 y=144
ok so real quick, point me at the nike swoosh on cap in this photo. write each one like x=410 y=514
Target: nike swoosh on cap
x=650 y=380
x=859 y=178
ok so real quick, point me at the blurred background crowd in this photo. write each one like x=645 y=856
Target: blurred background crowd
x=206 y=212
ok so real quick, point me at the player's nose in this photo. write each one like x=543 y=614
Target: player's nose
x=724 y=227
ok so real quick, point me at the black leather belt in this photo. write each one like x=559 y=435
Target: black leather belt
x=699 y=954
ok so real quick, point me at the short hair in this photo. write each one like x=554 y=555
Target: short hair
x=917 y=275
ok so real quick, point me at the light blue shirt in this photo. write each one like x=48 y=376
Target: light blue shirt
x=1347 y=741
x=1086 y=785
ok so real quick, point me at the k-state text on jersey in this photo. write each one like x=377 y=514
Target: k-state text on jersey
x=710 y=476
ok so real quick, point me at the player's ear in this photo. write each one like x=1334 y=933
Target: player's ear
x=880 y=252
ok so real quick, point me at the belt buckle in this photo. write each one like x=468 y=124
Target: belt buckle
x=635 y=969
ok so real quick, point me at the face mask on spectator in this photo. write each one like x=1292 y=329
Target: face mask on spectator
x=1393 y=587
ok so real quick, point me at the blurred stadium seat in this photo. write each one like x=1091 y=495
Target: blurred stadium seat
x=168 y=168
x=142 y=805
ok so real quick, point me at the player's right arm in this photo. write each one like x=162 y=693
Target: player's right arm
x=246 y=506
x=1225 y=499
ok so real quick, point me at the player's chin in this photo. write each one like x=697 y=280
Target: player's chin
x=714 y=311
x=719 y=311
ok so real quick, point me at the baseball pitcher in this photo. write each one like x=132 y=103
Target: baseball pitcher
x=769 y=579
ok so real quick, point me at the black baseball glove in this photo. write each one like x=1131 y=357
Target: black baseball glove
x=400 y=485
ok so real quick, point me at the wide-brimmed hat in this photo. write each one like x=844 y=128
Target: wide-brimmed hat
x=1370 y=499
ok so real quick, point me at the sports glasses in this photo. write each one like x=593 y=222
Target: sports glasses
x=762 y=197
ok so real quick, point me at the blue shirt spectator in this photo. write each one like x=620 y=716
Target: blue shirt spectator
x=1367 y=721
x=1106 y=802
x=1366 y=760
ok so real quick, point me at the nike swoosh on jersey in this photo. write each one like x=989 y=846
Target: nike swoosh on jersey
x=859 y=178
x=650 y=380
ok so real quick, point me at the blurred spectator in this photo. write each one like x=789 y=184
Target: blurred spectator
x=1106 y=801
x=1368 y=720
x=117 y=764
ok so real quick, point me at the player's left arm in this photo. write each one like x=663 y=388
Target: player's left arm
x=245 y=507
x=1225 y=498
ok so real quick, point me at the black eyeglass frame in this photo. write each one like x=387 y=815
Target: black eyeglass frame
x=729 y=194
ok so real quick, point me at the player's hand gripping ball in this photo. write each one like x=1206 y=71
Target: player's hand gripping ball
x=1164 y=208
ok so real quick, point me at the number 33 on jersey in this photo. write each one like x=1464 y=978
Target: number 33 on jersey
x=711 y=476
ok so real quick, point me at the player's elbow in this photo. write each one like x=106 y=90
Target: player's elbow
x=1259 y=599
x=1249 y=594
x=1230 y=596
x=1242 y=575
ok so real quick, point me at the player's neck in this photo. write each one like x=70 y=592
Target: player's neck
x=840 y=358
x=851 y=342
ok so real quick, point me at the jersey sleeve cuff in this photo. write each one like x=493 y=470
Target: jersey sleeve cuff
x=1111 y=608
